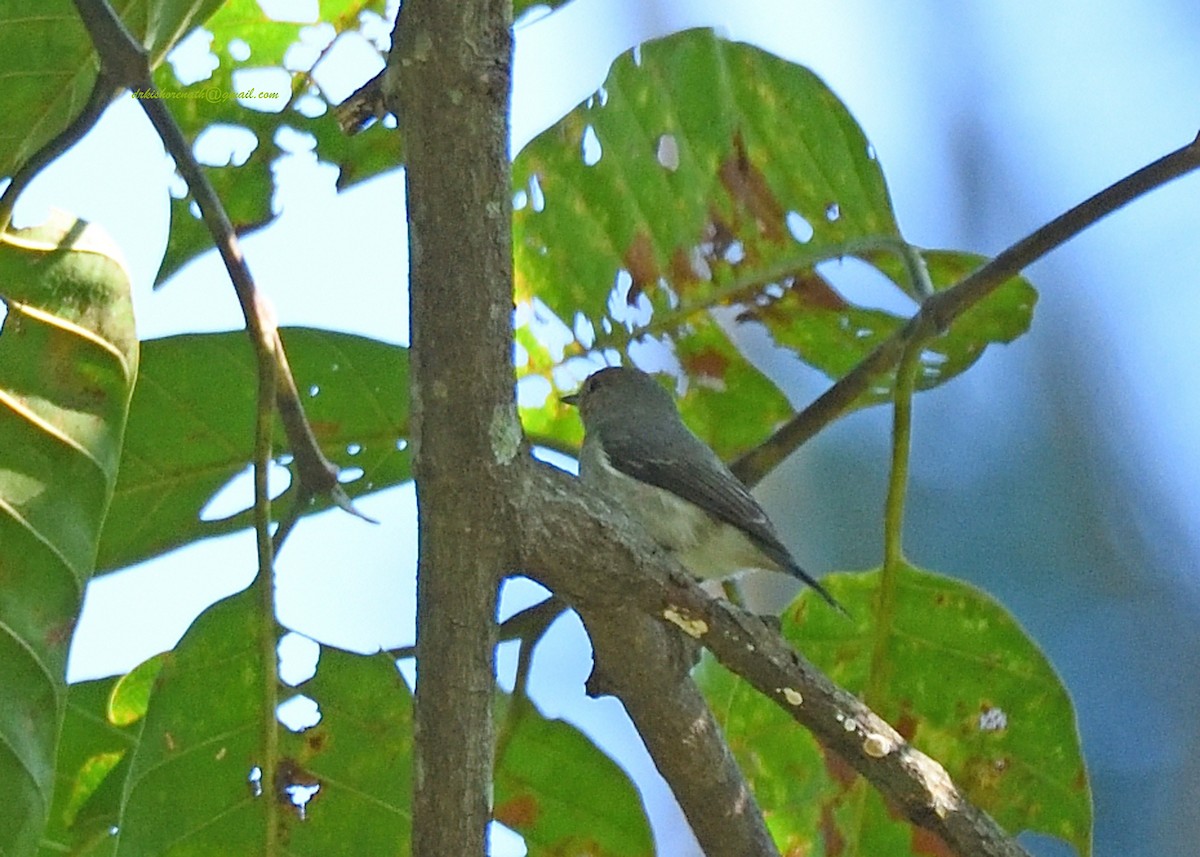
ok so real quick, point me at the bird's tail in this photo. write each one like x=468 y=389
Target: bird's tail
x=797 y=571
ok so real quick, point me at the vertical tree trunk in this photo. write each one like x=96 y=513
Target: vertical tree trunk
x=448 y=82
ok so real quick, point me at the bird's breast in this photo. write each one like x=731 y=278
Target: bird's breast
x=671 y=521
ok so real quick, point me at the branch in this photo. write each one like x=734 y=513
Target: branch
x=940 y=310
x=449 y=71
x=646 y=664
x=624 y=575
x=124 y=63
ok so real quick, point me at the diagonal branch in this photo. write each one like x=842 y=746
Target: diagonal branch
x=124 y=63
x=939 y=311
x=646 y=664
x=624 y=575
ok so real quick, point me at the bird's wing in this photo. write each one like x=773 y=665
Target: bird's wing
x=686 y=467
x=683 y=464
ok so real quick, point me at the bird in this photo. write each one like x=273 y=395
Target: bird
x=638 y=453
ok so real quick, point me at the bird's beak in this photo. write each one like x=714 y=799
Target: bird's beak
x=572 y=399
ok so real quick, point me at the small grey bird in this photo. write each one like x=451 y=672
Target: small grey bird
x=638 y=453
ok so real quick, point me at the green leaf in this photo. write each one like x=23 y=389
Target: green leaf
x=706 y=147
x=187 y=789
x=520 y=7
x=711 y=174
x=100 y=730
x=191 y=430
x=247 y=189
x=68 y=359
x=563 y=795
x=957 y=676
x=728 y=402
x=49 y=67
x=178 y=780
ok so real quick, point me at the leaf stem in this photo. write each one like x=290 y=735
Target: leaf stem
x=268 y=627
x=103 y=93
x=893 y=521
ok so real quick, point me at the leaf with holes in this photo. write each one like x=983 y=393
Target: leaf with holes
x=704 y=164
x=711 y=174
x=353 y=764
x=290 y=51
x=350 y=771
x=68 y=359
x=191 y=430
x=996 y=716
x=846 y=334
x=200 y=775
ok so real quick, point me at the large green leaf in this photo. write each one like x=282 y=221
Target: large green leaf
x=710 y=174
x=48 y=65
x=191 y=429
x=358 y=758
x=957 y=676
x=682 y=175
x=68 y=359
x=341 y=786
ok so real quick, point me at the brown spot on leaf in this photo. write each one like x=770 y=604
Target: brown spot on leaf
x=1080 y=781
x=519 y=812
x=683 y=273
x=720 y=235
x=640 y=263
x=60 y=634
x=816 y=291
x=835 y=843
x=750 y=192
x=707 y=362
x=325 y=430
x=906 y=725
x=289 y=776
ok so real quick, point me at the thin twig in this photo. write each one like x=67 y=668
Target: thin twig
x=264 y=585
x=525 y=625
x=125 y=63
x=938 y=312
